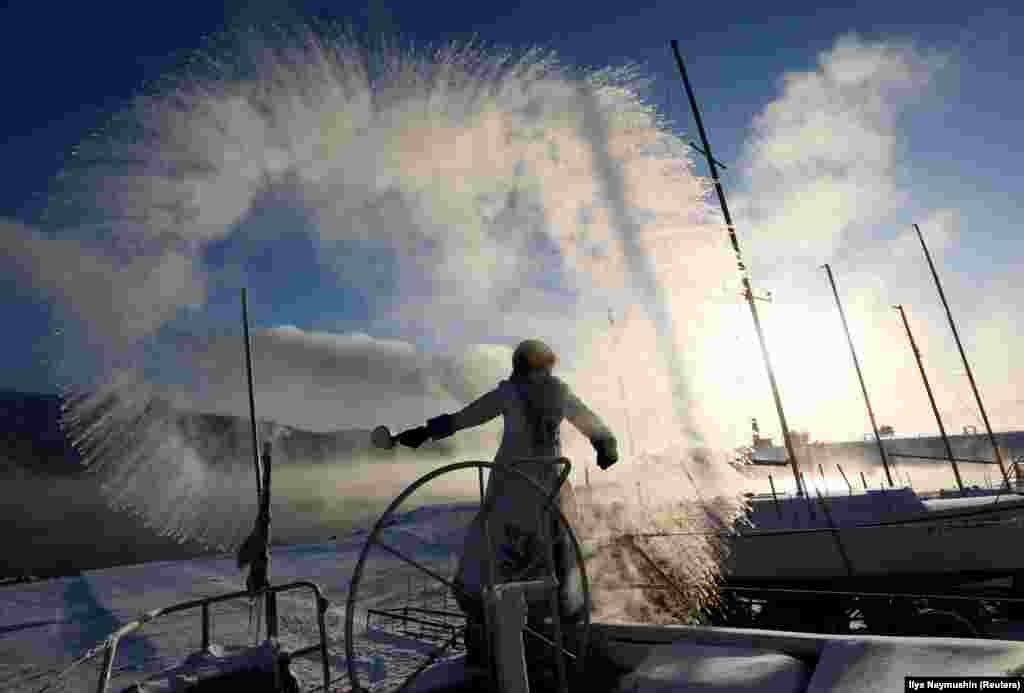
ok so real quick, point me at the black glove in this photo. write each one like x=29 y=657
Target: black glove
x=441 y=426
x=607 y=452
x=414 y=437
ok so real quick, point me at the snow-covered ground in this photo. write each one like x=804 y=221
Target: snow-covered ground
x=46 y=625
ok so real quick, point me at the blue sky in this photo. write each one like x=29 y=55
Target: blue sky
x=955 y=140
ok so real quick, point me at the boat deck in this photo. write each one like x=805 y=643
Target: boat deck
x=688 y=658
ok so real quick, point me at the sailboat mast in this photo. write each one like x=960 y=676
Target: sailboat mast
x=931 y=398
x=748 y=292
x=252 y=399
x=963 y=357
x=860 y=376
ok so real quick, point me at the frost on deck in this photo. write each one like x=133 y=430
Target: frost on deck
x=45 y=625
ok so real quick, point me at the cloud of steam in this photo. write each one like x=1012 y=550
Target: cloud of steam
x=470 y=198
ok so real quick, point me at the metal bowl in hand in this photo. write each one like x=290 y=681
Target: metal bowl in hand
x=382 y=438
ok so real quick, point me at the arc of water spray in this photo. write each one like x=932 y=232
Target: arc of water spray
x=639 y=267
x=622 y=392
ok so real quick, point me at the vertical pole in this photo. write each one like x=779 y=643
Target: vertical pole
x=321 y=608
x=271 y=597
x=810 y=503
x=963 y=357
x=860 y=376
x=206 y=626
x=107 y=667
x=748 y=292
x=252 y=399
x=835 y=535
x=931 y=398
x=849 y=486
x=778 y=508
x=864 y=481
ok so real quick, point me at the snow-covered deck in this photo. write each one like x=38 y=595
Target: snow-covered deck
x=45 y=625
x=689 y=658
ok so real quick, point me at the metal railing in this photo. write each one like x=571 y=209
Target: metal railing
x=109 y=647
x=429 y=628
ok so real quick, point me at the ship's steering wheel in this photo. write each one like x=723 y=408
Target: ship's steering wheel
x=549 y=504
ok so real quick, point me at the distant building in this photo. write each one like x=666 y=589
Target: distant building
x=801 y=438
x=759 y=442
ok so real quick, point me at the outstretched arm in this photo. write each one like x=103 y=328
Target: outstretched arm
x=590 y=424
x=477 y=412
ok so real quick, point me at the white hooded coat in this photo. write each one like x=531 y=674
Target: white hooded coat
x=516 y=508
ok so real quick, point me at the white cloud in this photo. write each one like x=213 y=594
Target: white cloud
x=822 y=161
x=312 y=380
x=476 y=371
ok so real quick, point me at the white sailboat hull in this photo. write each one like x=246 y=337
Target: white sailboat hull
x=978 y=538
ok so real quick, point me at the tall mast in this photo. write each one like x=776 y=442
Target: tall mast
x=252 y=401
x=963 y=357
x=860 y=376
x=255 y=550
x=748 y=292
x=931 y=398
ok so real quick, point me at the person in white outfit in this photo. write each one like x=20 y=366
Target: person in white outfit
x=533 y=403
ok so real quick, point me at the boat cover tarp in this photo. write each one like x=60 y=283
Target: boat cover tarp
x=880 y=664
x=697 y=668
x=836 y=663
x=843 y=510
